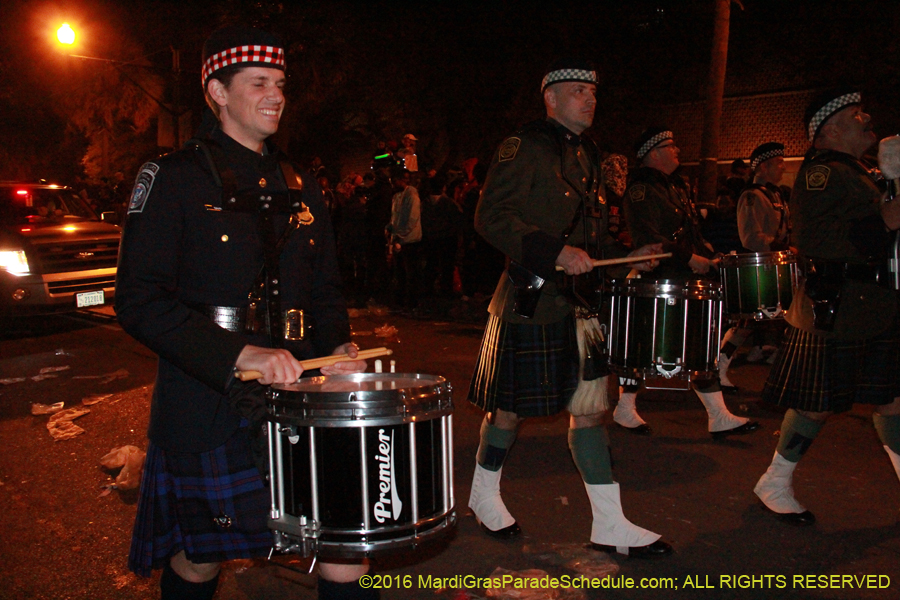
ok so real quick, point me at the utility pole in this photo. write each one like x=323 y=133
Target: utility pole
x=712 y=112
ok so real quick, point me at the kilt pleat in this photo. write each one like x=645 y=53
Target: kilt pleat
x=213 y=505
x=821 y=374
x=531 y=370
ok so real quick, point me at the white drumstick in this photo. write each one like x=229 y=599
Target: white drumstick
x=624 y=260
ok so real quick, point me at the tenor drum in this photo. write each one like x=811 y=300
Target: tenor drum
x=758 y=285
x=665 y=330
x=360 y=463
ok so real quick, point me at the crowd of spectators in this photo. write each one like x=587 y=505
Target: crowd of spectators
x=406 y=237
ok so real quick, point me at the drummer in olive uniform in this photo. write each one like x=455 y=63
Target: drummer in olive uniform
x=659 y=210
x=843 y=342
x=539 y=202
x=764 y=224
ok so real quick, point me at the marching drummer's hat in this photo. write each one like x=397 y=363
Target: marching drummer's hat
x=650 y=139
x=237 y=46
x=569 y=69
x=764 y=152
x=825 y=105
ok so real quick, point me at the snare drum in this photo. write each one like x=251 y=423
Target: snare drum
x=759 y=285
x=665 y=329
x=360 y=463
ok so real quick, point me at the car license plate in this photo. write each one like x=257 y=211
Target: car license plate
x=86 y=299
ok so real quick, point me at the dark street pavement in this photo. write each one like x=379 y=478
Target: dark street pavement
x=64 y=537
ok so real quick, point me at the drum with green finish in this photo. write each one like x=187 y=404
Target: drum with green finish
x=665 y=329
x=758 y=285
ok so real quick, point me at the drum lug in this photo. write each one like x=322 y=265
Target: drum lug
x=291 y=432
x=764 y=312
x=668 y=374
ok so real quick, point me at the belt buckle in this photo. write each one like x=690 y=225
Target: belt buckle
x=294 y=329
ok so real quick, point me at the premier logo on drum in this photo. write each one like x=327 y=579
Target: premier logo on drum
x=387 y=485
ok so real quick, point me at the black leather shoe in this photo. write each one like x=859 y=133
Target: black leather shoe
x=748 y=427
x=642 y=429
x=506 y=533
x=803 y=519
x=655 y=550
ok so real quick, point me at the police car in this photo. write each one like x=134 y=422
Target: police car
x=56 y=254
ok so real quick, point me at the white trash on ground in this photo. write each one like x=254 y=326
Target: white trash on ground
x=131 y=460
x=46 y=409
x=524 y=586
x=577 y=557
x=61 y=426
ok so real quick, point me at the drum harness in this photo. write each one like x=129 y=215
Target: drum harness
x=263 y=313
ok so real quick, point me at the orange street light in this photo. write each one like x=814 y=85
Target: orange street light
x=65 y=35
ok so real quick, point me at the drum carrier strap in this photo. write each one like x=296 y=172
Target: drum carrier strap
x=266 y=285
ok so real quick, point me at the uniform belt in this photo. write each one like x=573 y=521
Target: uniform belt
x=252 y=319
x=874 y=272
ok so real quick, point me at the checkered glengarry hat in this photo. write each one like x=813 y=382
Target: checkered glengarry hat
x=243 y=47
x=764 y=152
x=569 y=70
x=650 y=139
x=825 y=105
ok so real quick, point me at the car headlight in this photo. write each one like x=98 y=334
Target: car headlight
x=14 y=262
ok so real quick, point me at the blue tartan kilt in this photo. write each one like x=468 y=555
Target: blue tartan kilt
x=531 y=370
x=213 y=505
x=818 y=374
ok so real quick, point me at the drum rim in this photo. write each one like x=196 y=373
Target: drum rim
x=758 y=259
x=437 y=528
x=687 y=289
x=356 y=377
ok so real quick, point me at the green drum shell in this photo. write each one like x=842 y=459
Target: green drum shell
x=758 y=285
x=666 y=329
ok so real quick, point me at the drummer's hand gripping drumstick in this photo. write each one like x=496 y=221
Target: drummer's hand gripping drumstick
x=625 y=260
x=322 y=361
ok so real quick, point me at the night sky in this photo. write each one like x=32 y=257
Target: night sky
x=460 y=75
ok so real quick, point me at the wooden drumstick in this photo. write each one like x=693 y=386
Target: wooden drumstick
x=322 y=361
x=624 y=260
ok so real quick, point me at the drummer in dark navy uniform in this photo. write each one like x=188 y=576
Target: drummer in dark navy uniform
x=227 y=259
x=658 y=209
x=538 y=205
x=843 y=339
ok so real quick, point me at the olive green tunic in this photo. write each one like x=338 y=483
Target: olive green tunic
x=536 y=183
x=659 y=210
x=836 y=217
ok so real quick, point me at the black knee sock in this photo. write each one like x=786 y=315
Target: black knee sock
x=332 y=590
x=173 y=587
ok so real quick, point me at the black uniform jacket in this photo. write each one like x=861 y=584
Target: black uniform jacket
x=535 y=184
x=659 y=210
x=836 y=217
x=180 y=251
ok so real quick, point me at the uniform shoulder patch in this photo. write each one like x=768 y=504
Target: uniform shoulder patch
x=509 y=148
x=142 y=186
x=817 y=177
x=637 y=192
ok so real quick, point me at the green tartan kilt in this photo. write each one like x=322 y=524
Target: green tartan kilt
x=818 y=374
x=531 y=370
